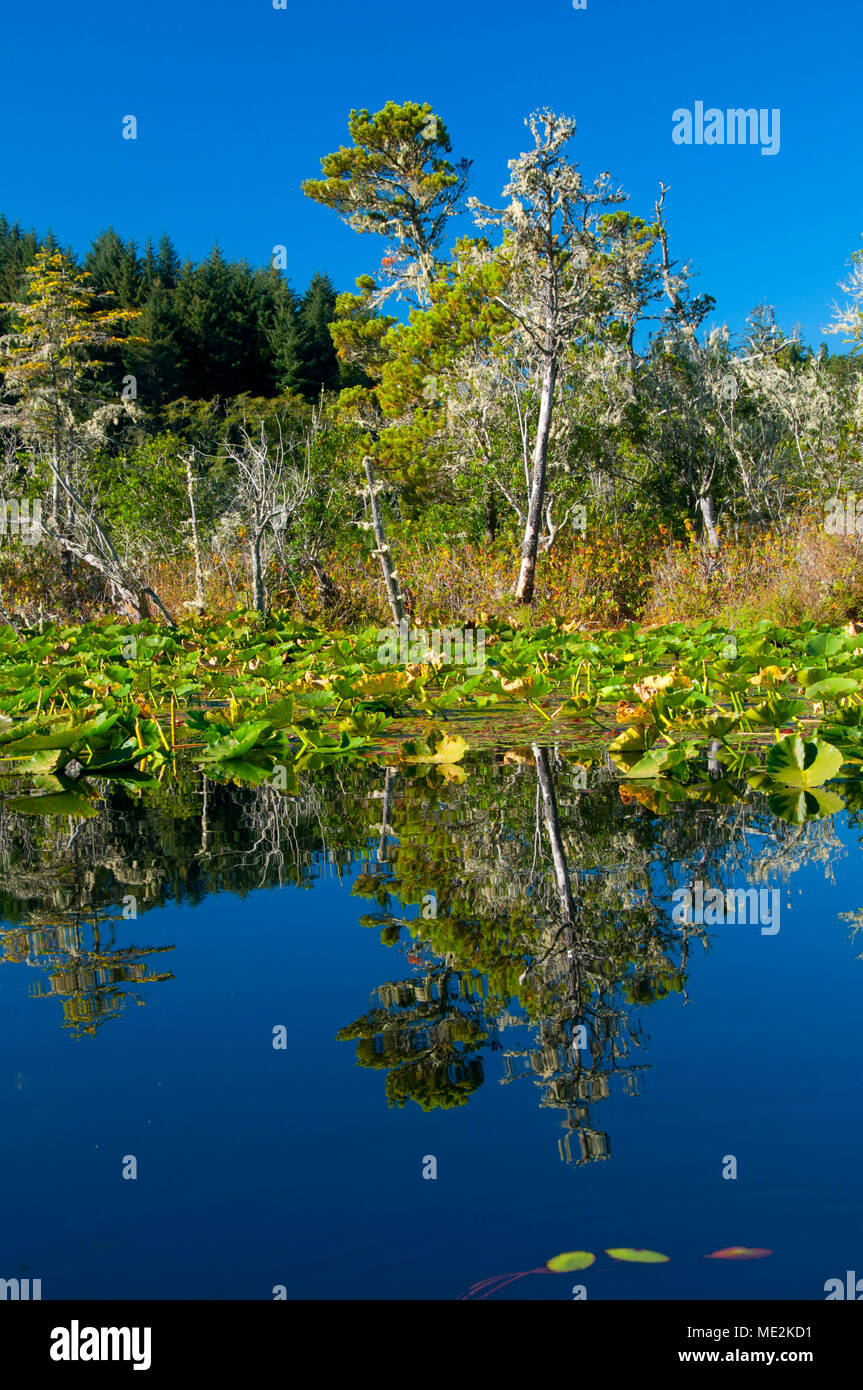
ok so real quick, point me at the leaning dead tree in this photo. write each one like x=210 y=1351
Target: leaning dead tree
x=83 y=535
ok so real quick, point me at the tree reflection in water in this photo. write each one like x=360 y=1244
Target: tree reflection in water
x=533 y=910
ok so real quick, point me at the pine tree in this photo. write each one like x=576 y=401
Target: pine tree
x=224 y=344
x=277 y=309
x=114 y=268
x=168 y=263
x=309 y=359
x=158 y=364
x=17 y=251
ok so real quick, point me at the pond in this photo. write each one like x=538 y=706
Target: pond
x=406 y=1030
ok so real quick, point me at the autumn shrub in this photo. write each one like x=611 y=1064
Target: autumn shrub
x=785 y=575
x=596 y=580
x=642 y=572
x=35 y=582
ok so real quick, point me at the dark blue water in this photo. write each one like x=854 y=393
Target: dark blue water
x=260 y=1167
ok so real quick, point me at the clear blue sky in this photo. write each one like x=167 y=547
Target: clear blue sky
x=237 y=102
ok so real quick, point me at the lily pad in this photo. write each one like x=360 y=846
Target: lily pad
x=52 y=804
x=739 y=1252
x=571 y=1259
x=800 y=806
x=803 y=763
x=637 y=1257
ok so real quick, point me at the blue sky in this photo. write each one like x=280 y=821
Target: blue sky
x=237 y=102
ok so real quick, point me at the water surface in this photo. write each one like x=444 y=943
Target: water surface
x=475 y=971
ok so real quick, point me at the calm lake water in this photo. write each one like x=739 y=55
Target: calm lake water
x=283 y=1011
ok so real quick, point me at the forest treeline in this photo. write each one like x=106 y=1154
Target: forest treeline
x=541 y=417
x=213 y=329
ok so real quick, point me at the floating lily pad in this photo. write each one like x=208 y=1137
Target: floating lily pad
x=571 y=1259
x=52 y=804
x=801 y=806
x=739 y=1252
x=637 y=1257
x=803 y=763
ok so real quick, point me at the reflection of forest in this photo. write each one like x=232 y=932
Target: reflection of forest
x=533 y=913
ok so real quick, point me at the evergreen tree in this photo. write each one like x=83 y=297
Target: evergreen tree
x=308 y=359
x=114 y=268
x=168 y=263
x=158 y=364
x=277 y=308
x=224 y=343
x=17 y=252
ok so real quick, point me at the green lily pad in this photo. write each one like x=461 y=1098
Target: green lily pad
x=803 y=763
x=832 y=686
x=637 y=1257
x=52 y=804
x=571 y=1259
x=800 y=806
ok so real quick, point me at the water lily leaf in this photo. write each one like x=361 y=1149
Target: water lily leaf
x=47 y=760
x=571 y=1259
x=52 y=804
x=800 y=806
x=833 y=685
x=718 y=793
x=672 y=680
x=382 y=683
x=637 y=1257
x=778 y=711
x=769 y=675
x=655 y=794
x=236 y=744
x=514 y=685
x=636 y=739
x=439 y=748
x=576 y=708
x=654 y=763
x=641 y=714
x=825 y=644
x=716 y=726
x=739 y=1252
x=241 y=770
x=803 y=763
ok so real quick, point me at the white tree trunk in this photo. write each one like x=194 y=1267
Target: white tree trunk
x=530 y=545
x=390 y=578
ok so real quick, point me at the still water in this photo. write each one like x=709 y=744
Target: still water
x=401 y=1033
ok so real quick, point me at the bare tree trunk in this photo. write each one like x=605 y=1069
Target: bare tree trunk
x=385 y=814
x=490 y=515
x=196 y=545
x=257 y=578
x=530 y=545
x=714 y=766
x=327 y=591
x=552 y=827
x=394 y=593
x=705 y=504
